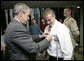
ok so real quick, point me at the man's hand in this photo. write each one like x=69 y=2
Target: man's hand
x=49 y=38
x=4 y=47
x=44 y=35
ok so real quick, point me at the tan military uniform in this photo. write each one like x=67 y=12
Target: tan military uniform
x=72 y=26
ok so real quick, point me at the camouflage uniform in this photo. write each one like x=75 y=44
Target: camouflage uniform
x=72 y=26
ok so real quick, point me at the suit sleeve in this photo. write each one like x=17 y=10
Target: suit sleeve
x=25 y=41
x=36 y=38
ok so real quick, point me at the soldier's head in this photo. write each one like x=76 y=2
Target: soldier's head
x=49 y=16
x=67 y=12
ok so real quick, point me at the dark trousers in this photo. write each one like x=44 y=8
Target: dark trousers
x=54 y=58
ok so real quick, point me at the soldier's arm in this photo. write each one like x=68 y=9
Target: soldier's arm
x=74 y=28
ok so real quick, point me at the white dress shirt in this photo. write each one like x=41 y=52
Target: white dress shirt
x=17 y=20
x=62 y=47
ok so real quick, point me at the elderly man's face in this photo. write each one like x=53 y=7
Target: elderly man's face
x=50 y=19
x=25 y=16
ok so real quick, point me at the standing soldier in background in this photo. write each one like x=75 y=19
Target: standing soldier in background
x=72 y=26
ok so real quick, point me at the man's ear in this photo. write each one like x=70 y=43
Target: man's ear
x=21 y=13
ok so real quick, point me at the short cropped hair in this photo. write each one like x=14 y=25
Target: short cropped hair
x=48 y=11
x=68 y=9
x=20 y=7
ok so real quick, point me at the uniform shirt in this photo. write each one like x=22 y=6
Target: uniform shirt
x=62 y=46
x=72 y=26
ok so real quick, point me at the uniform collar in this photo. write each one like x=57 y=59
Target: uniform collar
x=67 y=18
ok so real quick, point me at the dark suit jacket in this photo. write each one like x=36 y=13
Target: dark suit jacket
x=20 y=45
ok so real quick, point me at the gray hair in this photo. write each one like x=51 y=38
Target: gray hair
x=20 y=7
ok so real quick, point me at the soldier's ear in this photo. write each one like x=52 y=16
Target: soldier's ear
x=70 y=12
x=54 y=16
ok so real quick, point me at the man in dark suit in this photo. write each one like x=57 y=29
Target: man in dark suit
x=20 y=45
